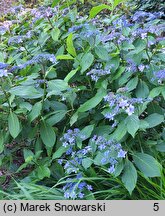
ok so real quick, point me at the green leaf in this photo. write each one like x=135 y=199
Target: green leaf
x=57 y=85
x=93 y=102
x=132 y=84
x=14 y=125
x=161 y=147
x=57 y=117
x=55 y=33
x=98 y=158
x=70 y=75
x=147 y=164
x=55 y=2
x=28 y=92
x=142 y=90
x=48 y=135
x=163 y=93
x=74 y=118
x=86 y=132
x=64 y=57
x=143 y=125
x=86 y=61
x=28 y=155
x=120 y=131
x=1 y=142
x=70 y=47
x=35 y=112
x=87 y=162
x=118 y=168
x=132 y=123
x=155 y=92
x=95 y=10
x=102 y=53
x=154 y=120
x=43 y=172
x=117 y=2
x=129 y=177
x=60 y=151
x=102 y=130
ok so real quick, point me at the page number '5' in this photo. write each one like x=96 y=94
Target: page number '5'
x=156 y=207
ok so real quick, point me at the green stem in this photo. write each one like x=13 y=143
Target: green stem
x=7 y=98
x=44 y=95
x=140 y=143
x=50 y=23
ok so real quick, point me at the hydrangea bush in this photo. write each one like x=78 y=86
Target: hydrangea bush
x=82 y=99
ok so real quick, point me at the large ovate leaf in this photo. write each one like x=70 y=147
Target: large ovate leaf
x=56 y=117
x=86 y=132
x=48 y=135
x=70 y=47
x=14 y=125
x=102 y=53
x=59 y=152
x=95 y=10
x=27 y=92
x=36 y=111
x=71 y=74
x=142 y=90
x=155 y=92
x=129 y=177
x=154 y=120
x=91 y=103
x=87 y=162
x=57 y=85
x=132 y=84
x=132 y=124
x=42 y=172
x=55 y=34
x=120 y=131
x=86 y=61
x=147 y=164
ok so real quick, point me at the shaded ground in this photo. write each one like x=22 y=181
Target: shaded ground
x=5 y=5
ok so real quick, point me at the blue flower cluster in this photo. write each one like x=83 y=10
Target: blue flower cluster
x=16 y=9
x=97 y=73
x=87 y=30
x=40 y=58
x=119 y=103
x=75 y=28
x=159 y=75
x=135 y=27
x=3 y=73
x=69 y=138
x=133 y=67
x=72 y=160
x=4 y=69
x=75 y=188
x=5 y=26
x=142 y=16
x=3 y=65
x=16 y=40
x=43 y=12
x=110 y=150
